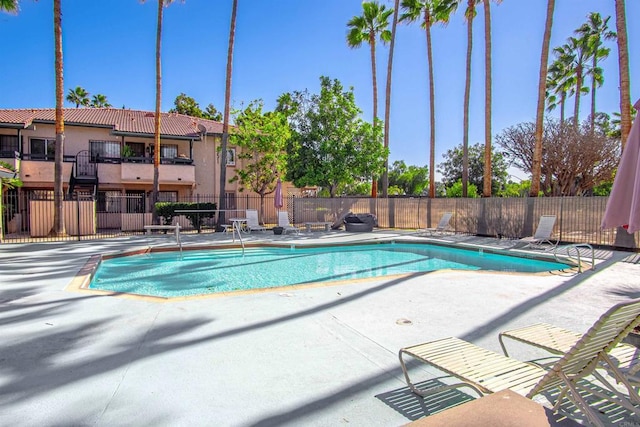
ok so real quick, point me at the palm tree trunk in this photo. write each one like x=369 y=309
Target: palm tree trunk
x=156 y=135
x=467 y=95
x=486 y=182
x=593 y=89
x=372 y=43
x=623 y=61
x=432 y=111
x=225 y=119
x=542 y=86
x=58 y=190
x=576 y=108
x=387 y=98
x=563 y=97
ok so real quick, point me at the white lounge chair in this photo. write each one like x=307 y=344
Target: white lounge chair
x=283 y=221
x=487 y=372
x=543 y=233
x=442 y=225
x=252 y=221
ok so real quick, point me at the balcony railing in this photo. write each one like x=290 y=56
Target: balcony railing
x=99 y=159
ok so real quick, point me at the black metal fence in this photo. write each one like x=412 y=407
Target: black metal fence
x=28 y=215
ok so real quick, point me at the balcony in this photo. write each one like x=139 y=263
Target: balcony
x=12 y=158
x=172 y=171
x=114 y=170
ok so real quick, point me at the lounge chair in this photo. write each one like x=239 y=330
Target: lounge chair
x=542 y=234
x=557 y=340
x=442 y=225
x=487 y=372
x=283 y=221
x=252 y=221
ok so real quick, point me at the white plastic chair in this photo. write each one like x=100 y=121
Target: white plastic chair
x=442 y=225
x=252 y=221
x=543 y=233
x=283 y=221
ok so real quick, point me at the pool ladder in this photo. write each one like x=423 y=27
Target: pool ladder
x=576 y=246
x=236 y=228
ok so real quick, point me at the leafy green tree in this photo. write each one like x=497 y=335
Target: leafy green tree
x=211 y=113
x=455 y=190
x=262 y=138
x=100 y=101
x=6 y=182
x=331 y=146
x=408 y=180
x=451 y=168
x=78 y=96
x=514 y=189
x=188 y=106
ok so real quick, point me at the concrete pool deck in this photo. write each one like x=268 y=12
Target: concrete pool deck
x=318 y=356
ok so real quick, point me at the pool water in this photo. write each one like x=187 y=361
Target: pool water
x=167 y=274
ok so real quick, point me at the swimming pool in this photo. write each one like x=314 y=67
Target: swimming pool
x=167 y=274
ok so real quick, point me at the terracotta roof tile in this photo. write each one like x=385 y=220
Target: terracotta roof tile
x=121 y=120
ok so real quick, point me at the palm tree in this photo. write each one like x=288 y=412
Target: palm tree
x=373 y=23
x=576 y=54
x=78 y=96
x=58 y=190
x=227 y=113
x=623 y=66
x=100 y=101
x=486 y=180
x=470 y=14
x=10 y=6
x=387 y=97
x=594 y=31
x=156 y=133
x=431 y=12
x=560 y=81
x=542 y=82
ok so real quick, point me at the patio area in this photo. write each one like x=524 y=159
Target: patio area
x=316 y=356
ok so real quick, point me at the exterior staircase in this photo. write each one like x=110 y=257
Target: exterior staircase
x=84 y=175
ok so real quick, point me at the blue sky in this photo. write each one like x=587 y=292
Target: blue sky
x=285 y=45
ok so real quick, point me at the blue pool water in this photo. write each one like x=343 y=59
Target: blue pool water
x=166 y=274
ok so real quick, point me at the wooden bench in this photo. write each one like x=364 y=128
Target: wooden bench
x=308 y=225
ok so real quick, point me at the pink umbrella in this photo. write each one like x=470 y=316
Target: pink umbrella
x=278 y=200
x=623 y=206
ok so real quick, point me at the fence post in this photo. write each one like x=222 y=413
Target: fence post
x=78 y=215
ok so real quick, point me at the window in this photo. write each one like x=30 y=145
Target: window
x=8 y=145
x=105 y=150
x=137 y=148
x=231 y=157
x=42 y=148
x=169 y=151
x=230 y=200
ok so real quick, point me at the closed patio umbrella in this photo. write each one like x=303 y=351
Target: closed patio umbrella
x=623 y=206
x=278 y=200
